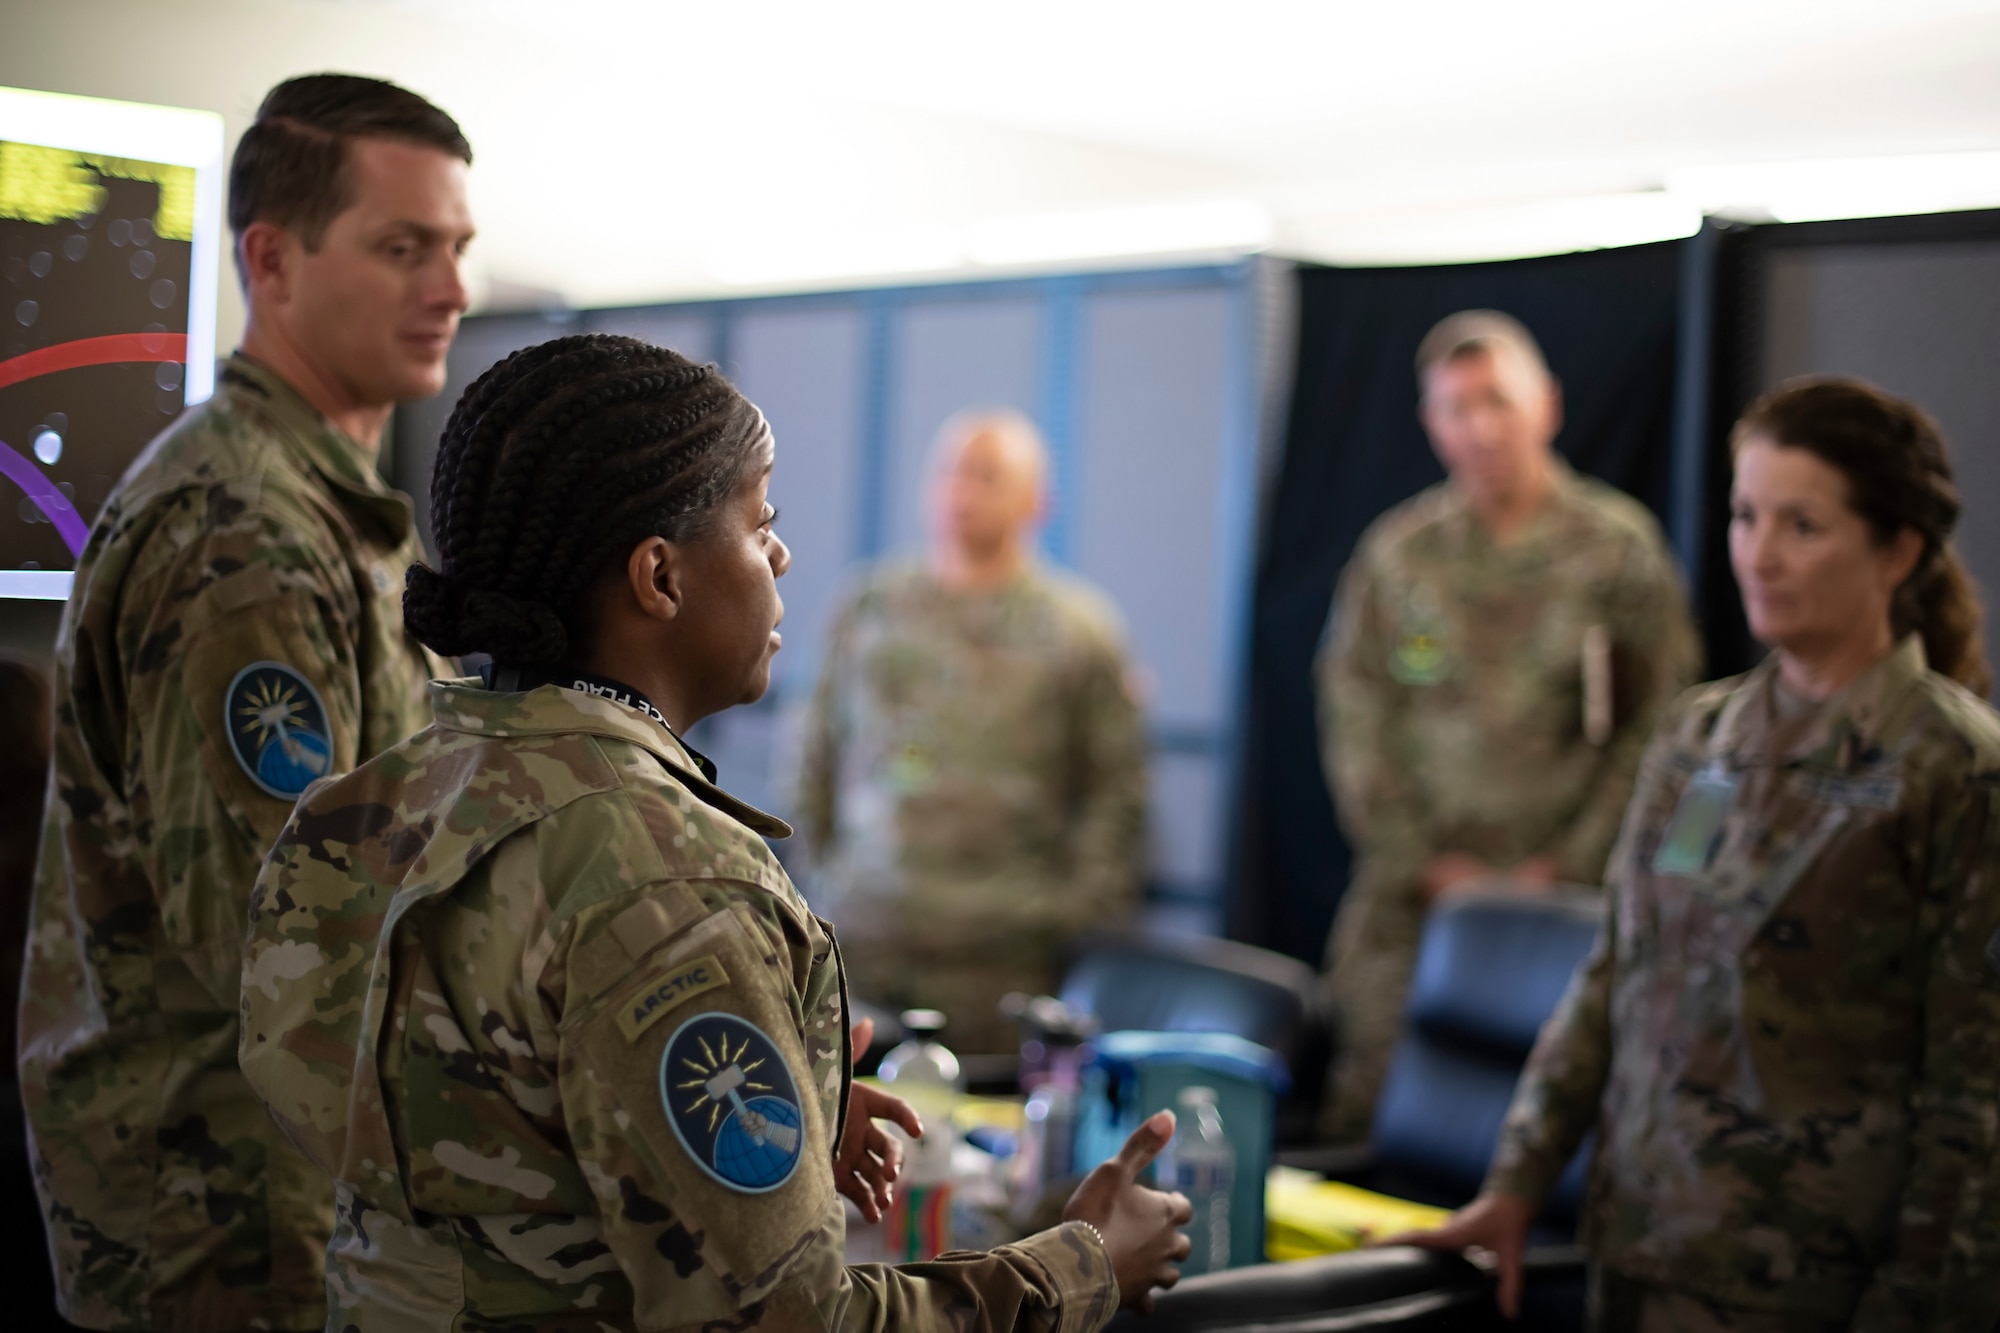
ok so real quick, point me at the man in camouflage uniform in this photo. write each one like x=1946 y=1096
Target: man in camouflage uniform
x=1788 y=1036
x=974 y=774
x=537 y=995
x=1500 y=648
x=235 y=632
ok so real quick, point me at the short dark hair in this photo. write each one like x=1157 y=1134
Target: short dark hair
x=1470 y=332
x=554 y=465
x=1898 y=471
x=291 y=165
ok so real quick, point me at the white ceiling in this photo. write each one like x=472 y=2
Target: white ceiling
x=635 y=150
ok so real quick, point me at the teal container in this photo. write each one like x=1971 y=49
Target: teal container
x=1130 y=1075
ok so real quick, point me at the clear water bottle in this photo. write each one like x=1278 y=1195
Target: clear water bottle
x=1200 y=1163
x=1047 y=1146
x=924 y=1073
x=1052 y=1037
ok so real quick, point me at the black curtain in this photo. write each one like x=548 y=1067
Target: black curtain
x=1353 y=447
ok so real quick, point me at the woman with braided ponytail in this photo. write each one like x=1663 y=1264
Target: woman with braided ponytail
x=533 y=989
x=1788 y=1037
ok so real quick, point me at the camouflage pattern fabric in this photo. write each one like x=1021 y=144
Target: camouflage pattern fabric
x=973 y=789
x=1620 y=1305
x=474 y=965
x=251 y=532
x=1453 y=694
x=1789 y=1034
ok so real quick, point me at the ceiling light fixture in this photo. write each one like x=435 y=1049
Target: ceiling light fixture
x=1855 y=187
x=1198 y=227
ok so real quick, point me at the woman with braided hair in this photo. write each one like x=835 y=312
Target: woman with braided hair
x=1788 y=1036
x=531 y=987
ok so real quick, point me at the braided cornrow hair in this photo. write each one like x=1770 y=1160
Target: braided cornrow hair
x=555 y=463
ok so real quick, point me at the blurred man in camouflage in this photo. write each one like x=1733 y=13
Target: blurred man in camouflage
x=974 y=771
x=235 y=632
x=1501 y=647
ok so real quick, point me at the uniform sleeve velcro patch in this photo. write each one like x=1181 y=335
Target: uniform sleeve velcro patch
x=277 y=728
x=731 y=1100
x=649 y=1003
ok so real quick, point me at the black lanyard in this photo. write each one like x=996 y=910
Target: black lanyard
x=519 y=680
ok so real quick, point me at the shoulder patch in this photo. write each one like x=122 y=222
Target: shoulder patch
x=649 y=1003
x=277 y=728
x=730 y=1098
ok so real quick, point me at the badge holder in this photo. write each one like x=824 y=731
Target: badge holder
x=1695 y=832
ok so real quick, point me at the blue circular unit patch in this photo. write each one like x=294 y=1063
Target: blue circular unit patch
x=731 y=1100
x=277 y=728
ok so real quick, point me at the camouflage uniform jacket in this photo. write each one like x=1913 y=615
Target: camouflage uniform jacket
x=1457 y=665
x=505 y=984
x=249 y=558
x=1789 y=1033
x=974 y=774
x=1454 y=667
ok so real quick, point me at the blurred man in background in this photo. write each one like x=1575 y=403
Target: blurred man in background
x=973 y=787
x=1500 y=648
x=235 y=632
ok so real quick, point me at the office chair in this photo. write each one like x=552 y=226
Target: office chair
x=1408 y=1290
x=1490 y=971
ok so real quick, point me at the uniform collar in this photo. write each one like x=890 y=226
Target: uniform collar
x=1561 y=499
x=1027 y=576
x=519 y=680
x=1848 y=728
x=320 y=445
x=466 y=705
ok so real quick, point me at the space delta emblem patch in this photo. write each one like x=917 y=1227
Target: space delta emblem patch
x=277 y=728
x=732 y=1102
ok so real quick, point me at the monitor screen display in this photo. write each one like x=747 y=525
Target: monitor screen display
x=110 y=221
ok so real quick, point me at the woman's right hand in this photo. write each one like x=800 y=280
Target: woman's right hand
x=1493 y=1222
x=1140 y=1226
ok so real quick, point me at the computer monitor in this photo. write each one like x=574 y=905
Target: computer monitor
x=110 y=238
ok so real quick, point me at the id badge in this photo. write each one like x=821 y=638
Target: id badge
x=1695 y=832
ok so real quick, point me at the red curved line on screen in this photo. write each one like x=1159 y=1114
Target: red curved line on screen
x=45 y=495
x=105 y=351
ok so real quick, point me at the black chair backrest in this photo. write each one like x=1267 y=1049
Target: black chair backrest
x=1172 y=983
x=1404 y=1289
x=1490 y=971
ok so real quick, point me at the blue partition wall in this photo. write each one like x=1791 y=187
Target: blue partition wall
x=1146 y=385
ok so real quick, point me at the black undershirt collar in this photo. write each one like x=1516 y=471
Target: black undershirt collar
x=519 y=680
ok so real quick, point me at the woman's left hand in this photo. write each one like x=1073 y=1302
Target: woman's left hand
x=870 y=1158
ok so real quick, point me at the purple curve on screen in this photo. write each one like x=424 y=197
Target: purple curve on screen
x=69 y=525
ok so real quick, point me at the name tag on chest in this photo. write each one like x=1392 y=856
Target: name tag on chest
x=1861 y=793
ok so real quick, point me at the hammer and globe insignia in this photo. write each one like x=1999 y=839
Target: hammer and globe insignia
x=732 y=1102
x=277 y=728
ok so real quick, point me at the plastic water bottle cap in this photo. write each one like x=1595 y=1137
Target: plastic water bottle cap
x=925 y=1022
